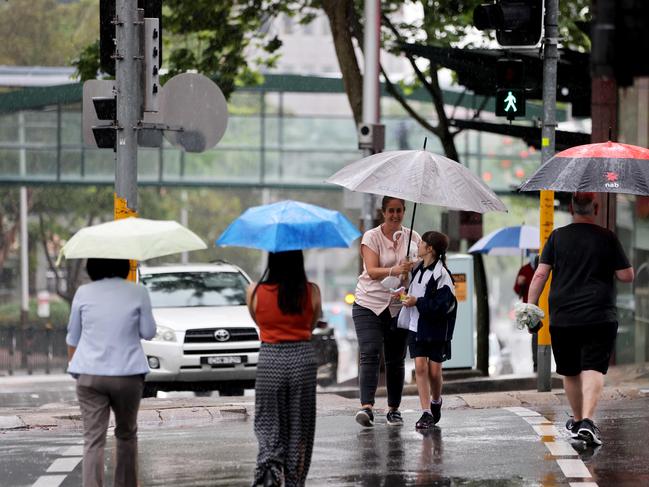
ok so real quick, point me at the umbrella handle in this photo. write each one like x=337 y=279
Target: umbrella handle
x=412 y=224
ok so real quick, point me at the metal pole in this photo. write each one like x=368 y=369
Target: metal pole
x=24 y=239
x=184 y=220
x=371 y=94
x=550 y=57
x=129 y=100
x=130 y=105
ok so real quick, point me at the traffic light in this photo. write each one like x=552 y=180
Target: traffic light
x=105 y=134
x=151 y=64
x=152 y=9
x=510 y=88
x=518 y=23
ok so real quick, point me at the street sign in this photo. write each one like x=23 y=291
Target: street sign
x=196 y=105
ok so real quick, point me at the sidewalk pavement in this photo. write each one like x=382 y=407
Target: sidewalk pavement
x=622 y=382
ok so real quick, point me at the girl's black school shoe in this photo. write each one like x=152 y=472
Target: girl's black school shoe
x=365 y=417
x=393 y=418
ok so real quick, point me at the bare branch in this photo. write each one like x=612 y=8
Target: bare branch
x=420 y=75
x=406 y=106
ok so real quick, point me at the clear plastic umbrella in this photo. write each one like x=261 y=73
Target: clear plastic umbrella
x=421 y=177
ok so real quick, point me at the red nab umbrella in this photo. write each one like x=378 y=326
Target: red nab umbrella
x=608 y=167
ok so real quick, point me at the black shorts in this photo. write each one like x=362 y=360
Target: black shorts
x=437 y=351
x=583 y=347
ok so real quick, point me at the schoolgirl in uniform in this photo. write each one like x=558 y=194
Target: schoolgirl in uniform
x=429 y=310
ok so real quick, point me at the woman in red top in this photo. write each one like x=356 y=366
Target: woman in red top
x=286 y=307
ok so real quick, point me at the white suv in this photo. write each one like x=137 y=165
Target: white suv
x=206 y=339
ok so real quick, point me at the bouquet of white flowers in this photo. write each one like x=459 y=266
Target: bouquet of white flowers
x=528 y=316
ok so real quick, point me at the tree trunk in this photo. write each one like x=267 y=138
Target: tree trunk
x=340 y=15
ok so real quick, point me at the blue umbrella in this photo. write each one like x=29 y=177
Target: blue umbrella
x=289 y=225
x=508 y=241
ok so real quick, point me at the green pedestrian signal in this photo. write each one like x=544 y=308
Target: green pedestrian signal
x=510 y=103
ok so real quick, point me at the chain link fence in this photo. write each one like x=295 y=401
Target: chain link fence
x=34 y=349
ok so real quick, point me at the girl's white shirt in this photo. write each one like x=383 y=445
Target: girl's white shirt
x=409 y=317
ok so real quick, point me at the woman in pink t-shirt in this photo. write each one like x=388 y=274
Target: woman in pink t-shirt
x=375 y=310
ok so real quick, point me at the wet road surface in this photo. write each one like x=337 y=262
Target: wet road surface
x=484 y=447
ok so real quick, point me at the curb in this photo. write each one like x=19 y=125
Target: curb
x=70 y=418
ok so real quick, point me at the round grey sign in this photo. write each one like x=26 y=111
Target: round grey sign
x=196 y=104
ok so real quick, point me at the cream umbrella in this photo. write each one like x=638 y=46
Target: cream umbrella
x=131 y=238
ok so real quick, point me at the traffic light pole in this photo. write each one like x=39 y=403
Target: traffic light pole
x=371 y=95
x=128 y=70
x=550 y=57
x=128 y=64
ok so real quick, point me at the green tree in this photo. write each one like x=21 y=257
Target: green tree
x=45 y=32
x=212 y=37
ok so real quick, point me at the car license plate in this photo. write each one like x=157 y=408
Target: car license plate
x=232 y=359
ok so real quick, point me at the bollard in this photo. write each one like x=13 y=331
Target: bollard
x=12 y=349
x=48 y=346
x=28 y=339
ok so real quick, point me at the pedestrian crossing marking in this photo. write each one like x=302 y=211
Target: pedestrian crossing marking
x=560 y=448
x=571 y=467
x=73 y=451
x=64 y=464
x=545 y=430
x=49 y=481
x=535 y=420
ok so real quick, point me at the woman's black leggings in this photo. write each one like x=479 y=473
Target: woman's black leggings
x=373 y=333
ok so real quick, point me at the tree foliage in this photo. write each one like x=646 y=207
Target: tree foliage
x=45 y=32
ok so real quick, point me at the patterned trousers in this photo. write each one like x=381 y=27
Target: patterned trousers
x=285 y=411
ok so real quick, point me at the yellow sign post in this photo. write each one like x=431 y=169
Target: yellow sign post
x=546 y=214
x=121 y=210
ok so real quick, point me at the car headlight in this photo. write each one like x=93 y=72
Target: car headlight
x=164 y=334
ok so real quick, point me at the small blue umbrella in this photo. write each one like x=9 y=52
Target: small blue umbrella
x=289 y=225
x=508 y=241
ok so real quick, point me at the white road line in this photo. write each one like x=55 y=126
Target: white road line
x=560 y=448
x=574 y=468
x=535 y=420
x=545 y=430
x=73 y=451
x=49 y=481
x=571 y=467
x=522 y=411
x=64 y=464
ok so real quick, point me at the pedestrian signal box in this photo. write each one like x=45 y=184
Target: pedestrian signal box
x=510 y=103
x=510 y=88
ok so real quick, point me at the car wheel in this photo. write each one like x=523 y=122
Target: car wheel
x=233 y=390
x=149 y=391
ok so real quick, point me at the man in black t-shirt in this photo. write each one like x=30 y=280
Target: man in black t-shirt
x=584 y=259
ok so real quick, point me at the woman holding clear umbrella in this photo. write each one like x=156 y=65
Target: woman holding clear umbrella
x=375 y=310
